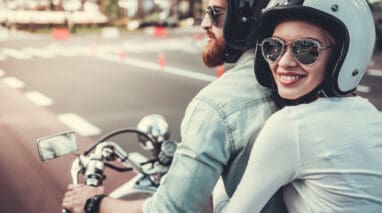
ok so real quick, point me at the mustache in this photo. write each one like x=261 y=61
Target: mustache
x=210 y=34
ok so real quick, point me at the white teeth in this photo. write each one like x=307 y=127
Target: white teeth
x=290 y=77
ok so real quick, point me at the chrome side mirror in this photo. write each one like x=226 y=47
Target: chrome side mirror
x=57 y=145
x=155 y=126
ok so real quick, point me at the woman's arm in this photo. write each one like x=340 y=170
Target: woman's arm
x=219 y=197
x=273 y=163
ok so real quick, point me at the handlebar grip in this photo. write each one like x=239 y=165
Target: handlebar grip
x=65 y=211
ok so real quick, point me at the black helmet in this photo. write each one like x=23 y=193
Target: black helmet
x=240 y=22
x=351 y=24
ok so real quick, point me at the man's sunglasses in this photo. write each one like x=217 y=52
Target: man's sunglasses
x=305 y=50
x=213 y=14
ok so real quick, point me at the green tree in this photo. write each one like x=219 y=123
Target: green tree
x=111 y=9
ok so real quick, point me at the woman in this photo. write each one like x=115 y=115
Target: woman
x=324 y=148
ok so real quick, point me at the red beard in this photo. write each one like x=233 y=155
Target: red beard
x=213 y=53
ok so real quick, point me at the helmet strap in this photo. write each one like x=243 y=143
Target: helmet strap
x=231 y=55
x=313 y=95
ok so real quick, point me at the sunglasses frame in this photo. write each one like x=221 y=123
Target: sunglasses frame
x=285 y=45
x=213 y=14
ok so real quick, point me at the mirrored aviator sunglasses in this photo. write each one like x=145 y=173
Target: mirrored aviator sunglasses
x=214 y=14
x=305 y=51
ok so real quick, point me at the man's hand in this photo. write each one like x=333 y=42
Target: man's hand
x=76 y=196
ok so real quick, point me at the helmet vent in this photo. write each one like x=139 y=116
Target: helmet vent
x=335 y=7
x=355 y=72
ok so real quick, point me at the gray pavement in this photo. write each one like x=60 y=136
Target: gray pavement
x=26 y=184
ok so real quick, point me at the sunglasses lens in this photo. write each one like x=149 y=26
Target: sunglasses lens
x=213 y=14
x=306 y=51
x=271 y=49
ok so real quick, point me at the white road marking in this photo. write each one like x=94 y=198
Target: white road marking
x=142 y=64
x=102 y=50
x=68 y=51
x=4 y=34
x=13 y=82
x=363 y=89
x=106 y=48
x=79 y=50
x=38 y=98
x=3 y=57
x=374 y=72
x=189 y=74
x=78 y=124
x=155 y=67
x=61 y=51
x=187 y=45
x=38 y=52
x=110 y=33
x=15 y=53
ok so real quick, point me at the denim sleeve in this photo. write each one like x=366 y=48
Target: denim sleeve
x=197 y=164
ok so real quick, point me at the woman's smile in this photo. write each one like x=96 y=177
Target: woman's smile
x=289 y=78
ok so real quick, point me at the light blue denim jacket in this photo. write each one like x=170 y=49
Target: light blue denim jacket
x=216 y=132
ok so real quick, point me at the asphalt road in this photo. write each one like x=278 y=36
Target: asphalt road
x=95 y=85
x=111 y=84
x=47 y=86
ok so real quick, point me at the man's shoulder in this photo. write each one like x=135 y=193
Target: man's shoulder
x=237 y=85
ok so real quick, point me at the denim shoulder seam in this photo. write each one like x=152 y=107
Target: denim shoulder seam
x=230 y=111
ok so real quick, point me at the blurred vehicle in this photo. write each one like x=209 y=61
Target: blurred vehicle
x=3 y=16
x=37 y=5
x=151 y=12
x=71 y=5
x=33 y=14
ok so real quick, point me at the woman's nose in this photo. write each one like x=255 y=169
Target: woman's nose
x=287 y=59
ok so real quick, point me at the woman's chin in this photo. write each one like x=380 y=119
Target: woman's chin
x=289 y=96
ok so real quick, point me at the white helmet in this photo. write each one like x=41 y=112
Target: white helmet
x=351 y=24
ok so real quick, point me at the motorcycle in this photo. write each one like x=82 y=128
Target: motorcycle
x=153 y=136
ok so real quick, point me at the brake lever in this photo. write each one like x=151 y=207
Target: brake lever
x=116 y=168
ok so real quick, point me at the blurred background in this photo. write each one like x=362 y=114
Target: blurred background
x=95 y=66
x=34 y=14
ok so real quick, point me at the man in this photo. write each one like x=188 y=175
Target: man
x=216 y=128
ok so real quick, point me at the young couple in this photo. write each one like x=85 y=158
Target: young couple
x=322 y=148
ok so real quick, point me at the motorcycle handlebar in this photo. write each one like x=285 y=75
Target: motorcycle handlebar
x=122 y=155
x=117 y=132
x=94 y=164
